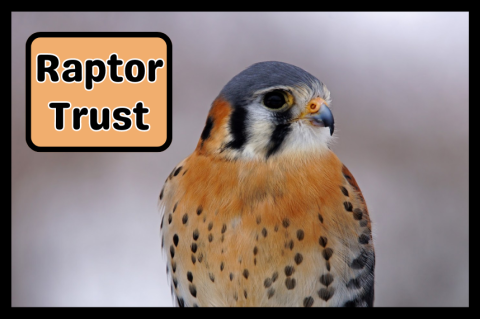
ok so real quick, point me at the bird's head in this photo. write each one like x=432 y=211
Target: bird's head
x=268 y=110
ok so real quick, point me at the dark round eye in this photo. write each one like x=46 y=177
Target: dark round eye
x=274 y=99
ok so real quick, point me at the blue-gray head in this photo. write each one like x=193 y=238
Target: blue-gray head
x=275 y=108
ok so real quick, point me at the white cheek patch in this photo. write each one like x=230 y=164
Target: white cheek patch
x=259 y=130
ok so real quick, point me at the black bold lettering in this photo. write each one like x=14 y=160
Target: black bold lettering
x=139 y=110
x=152 y=69
x=89 y=77
x=59 y=113
x=42 y=68
x=76 y=70
x=77 y=117
x=140 y=70
x=94 y=125
x=117 y=116
x=114 y=63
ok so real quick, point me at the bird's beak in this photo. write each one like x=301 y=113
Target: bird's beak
x=319 y=114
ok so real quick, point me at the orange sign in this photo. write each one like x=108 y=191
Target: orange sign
x=99 y=91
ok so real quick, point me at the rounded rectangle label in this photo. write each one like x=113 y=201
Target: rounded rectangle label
x=98 y=91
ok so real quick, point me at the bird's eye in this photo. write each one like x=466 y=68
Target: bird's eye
x=274 y=99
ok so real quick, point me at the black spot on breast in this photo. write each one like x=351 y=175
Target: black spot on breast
x=326 y=293
x=354 y=284
x=363 y=223
x=161 y=194
x=275 y=276
x=286 y=222
x=308 y=302
x=275 y=228
x=348 y=177
x=289 y=270
x=323 y=241
x=200 y=257
x=224 y=228
x=210 y=238
x=185 y=172
x=270 y=293
x=193 y=290
x=175 y=240
x=245 y=273
x=267 y=283
x=196 y=233
x=177 y=171
x=245 y=294
x=276 y=139
x=190 y=276
x=175 y=207
x=171 y=174
x=180 y=302
x=327 y=253
x=290 y=283
x=169 y=218
x=298 y=258
x=360 y=261
x=320 y=218
x=199 y=210
x=161 y=224
x=185 y=219
x=211 y=276
x=259 y=220
x=348 y=206
x=255 y=250
x=231 y=276
x=172 y=251
x=193 y=246
x=344 y=190
x=174 y=266
x=357 y=214
x=194 y=259
x=326 y=279
x=264 y=232
x=363 y=239
x=238 y=128
x=300 y=234
x=290 y=244
x=175 y=282
x=207 y=129
x=222 y=265
x=327 y=264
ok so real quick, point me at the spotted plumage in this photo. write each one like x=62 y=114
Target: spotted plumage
x=267 y=214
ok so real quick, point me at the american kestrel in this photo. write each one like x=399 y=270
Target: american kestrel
x=263 y=213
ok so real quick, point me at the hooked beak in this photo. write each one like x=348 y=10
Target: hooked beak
x=319 y=114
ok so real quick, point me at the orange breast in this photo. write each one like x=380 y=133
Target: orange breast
x=263 y=233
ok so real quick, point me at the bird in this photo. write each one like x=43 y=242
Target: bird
x=263 y=213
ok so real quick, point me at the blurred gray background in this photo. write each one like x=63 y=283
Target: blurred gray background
x=85 y=226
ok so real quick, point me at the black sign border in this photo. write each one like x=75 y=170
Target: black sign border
x=36 y=148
